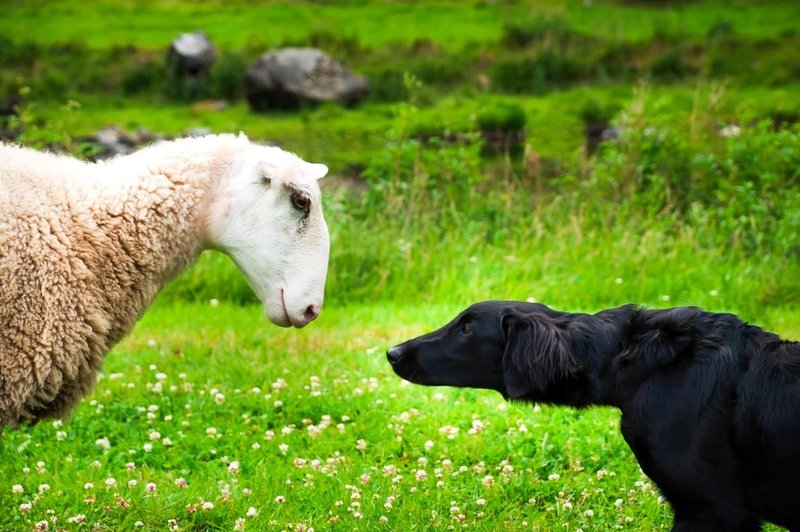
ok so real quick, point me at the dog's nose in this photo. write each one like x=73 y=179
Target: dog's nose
x=394 y=354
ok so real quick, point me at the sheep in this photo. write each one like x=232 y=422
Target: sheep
x=85 y=248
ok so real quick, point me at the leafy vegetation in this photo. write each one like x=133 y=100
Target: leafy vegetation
x=205 y=411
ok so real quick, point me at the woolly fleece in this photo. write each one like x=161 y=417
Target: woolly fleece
x=84 y=248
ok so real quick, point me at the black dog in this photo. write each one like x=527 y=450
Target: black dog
x=710 y=405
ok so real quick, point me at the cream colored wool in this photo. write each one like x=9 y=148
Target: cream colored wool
x=84 y=248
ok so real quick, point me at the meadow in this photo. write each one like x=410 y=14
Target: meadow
x=206 y=417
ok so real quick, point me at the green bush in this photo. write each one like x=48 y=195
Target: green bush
x=536 y=74
x=521 y=34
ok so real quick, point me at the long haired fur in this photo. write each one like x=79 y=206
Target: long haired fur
x=710 y=405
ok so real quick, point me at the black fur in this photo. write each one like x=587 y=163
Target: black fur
x=710 y=405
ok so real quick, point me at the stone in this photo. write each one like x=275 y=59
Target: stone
x=292 y=77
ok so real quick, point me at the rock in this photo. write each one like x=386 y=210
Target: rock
x=111 y=141
x=198 y=132
x=191 y=55
x=598 y=132
x=291 y=77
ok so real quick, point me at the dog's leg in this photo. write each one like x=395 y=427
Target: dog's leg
x=709 y=522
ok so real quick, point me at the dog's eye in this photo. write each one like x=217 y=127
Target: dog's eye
x=466 y=329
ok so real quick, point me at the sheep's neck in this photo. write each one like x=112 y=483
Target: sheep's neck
x=151 y=227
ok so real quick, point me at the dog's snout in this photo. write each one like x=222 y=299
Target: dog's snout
x=394 y=354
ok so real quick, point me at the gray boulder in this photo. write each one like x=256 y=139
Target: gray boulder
x=291 y=77
x=191 y=55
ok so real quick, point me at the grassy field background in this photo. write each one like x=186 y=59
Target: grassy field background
x=208 y=418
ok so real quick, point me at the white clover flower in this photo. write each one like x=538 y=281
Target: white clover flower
x=103 y=443
x=207 y=505
x=88 y=486
x=589 y=513
x=480 y=502
x=251 y=512
x=488 y=481
x=43 y=487
x=233 y=467
x=25 y=507
x=553 y=476
x=17 y=488
x=477 y=427
x=280 y=499
x=150 y=487
x=180 y=482
x=79 y=518
x=361 y=445
x=422 y=475
x=147 y=447
x=111 y=482
x=618 y=503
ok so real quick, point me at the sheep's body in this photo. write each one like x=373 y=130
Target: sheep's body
x=84 y=248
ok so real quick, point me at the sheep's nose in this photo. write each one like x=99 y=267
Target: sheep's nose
x=311 y=313
x=394 y=354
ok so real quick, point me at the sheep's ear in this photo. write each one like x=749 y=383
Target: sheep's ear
x=266 y=171
x=315 y=171
x=536 y=355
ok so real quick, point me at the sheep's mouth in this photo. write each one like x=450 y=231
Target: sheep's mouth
x=288 y=318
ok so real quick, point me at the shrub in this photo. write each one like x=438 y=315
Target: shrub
x=521 y=34
x=537 y=74
x=502 y=127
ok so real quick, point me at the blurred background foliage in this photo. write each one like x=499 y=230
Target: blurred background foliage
x=582 y=153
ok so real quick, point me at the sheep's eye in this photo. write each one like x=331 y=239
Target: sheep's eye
x=466 y=329
x=301 y=203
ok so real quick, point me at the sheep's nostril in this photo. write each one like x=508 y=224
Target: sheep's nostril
x=311 y=312
x=394 y=355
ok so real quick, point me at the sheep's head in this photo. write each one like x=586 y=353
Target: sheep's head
x=267 y=216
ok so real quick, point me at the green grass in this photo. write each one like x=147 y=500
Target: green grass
x=346 y=138
x=150 y=24
x=671 y=214
x=335 y=367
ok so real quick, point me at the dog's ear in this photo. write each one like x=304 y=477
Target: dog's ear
x=536 y=354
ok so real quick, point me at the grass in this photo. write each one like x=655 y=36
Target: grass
x=345 y=139
x=205 y=390
x=449 y=23
x=197 y=387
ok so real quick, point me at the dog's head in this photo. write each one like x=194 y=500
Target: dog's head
x=515 y=348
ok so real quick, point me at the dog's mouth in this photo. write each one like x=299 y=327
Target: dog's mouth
x=404 y=366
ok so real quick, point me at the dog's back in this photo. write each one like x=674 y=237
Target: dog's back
x=767 y=432
x=711 y=408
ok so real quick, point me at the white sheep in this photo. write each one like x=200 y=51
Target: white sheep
x=84 y=248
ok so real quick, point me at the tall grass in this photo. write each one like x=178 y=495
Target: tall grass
x=666 y=215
